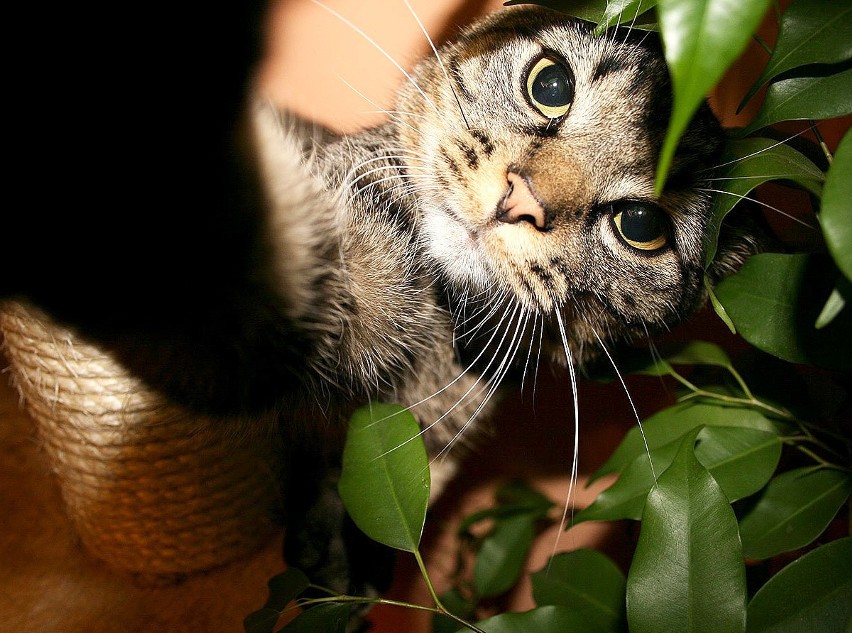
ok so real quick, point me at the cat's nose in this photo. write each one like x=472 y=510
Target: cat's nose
x=520 y=204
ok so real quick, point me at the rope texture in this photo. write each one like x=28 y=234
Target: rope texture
x=150 y=488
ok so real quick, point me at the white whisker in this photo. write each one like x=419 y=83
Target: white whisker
x=763 y=204
x=381 y=50
x=439 y=60
x=575 y=464
x=630 y=400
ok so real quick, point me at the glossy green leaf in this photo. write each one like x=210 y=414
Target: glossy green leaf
x=385 y=479
x=323 y=618
x=672 y=423
x=811 y=32
x=586 y=581
x=689 y=353
x=624 y=12
x=741 y=460
x=502 y=554
x=775 y=300
x=748 y=163
x=701 y=39
x=687 y=574
x=836 y=210
x=813 y=593
x=718 y=308
x=795 y=509
x=625 y=499
x=549 y=619
x=819 y=96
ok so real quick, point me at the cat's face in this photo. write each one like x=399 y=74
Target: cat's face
x=540 y=144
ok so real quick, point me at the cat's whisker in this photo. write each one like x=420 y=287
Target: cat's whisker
x=630 y=400
x=463 y=372
x=493 y=383
x=764 y=205
x=753 y=154
x=575 y=463
x=477 y=383
x=380 y=49
x=379 y=109
x=440 y=62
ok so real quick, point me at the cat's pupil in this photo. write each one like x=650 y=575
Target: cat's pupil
x=642 y=224
x=551 y=86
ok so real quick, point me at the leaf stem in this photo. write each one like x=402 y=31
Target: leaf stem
x=387 y=602
x=823 y=145
x=427 y=580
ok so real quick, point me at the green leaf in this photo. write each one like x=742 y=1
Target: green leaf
x=624 y=11
x=323 y=618
x=586 y=581
x=811 y=32
x=833 y=306
x=718 y=308
x=501 y=556
x=775 y=299
x=625 y=499
x=385 y=479
x=456 y=604
x=283 y=588
x=740 y=459
x=286 y=587
x=261 y=621
x=701 y=39
x=513 y=498
x=549 y=619
x=671 y=424
x=687 y=574
x=824 y=94
x=836 y=213
x=813 y=593
x=748 y=163
x=795 y=509
x=518 y=495
x=689 y=353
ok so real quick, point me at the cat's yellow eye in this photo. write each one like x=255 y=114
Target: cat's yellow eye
x=550 y=88
x=642 y=226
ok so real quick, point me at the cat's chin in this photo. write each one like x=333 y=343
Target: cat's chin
x=457 y=251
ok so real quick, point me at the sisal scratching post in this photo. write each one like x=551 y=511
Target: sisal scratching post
x=150 y=488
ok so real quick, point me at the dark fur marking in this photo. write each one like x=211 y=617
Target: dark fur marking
x=542 y=273
x=608 y=65
x=482 y=137
x=452 y=165
x=470 y=154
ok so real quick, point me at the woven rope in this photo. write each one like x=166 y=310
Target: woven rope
x=149 y=488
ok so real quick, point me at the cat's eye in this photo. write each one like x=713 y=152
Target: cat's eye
x=550 y=88
x=642 y=226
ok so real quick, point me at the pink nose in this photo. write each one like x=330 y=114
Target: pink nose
x=519 y=204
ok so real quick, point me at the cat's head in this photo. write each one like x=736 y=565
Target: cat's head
x=536 y=145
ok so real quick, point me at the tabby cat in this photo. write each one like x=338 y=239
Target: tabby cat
x=504 y=213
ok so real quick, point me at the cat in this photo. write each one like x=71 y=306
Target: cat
x=504 y=214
